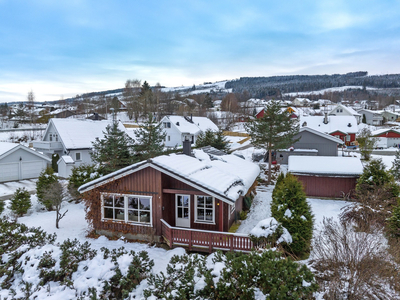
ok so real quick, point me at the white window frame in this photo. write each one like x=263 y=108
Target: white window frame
x=195 y=211
x=80 y=156
x=126 y=209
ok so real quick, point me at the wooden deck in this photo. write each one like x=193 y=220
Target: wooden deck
x=206 y=241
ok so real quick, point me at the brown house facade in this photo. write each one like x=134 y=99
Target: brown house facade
x=136 y=201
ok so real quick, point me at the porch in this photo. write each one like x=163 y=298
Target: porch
x=203 y=240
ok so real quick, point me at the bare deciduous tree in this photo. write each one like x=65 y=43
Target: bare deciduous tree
x=56 y=194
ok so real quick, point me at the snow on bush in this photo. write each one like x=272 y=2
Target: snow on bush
x=270 y=231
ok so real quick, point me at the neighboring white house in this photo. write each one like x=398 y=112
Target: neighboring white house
x=179 y=128
x=372 y=117
x=73 y=139
x=301 y=101
x=18 y=162
x=342 y=110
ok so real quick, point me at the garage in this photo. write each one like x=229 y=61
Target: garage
x=18 y=162
x=326 y=176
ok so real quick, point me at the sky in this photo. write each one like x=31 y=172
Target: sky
x=59 y=49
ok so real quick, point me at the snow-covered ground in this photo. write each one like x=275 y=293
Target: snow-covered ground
x=8 y=188
x=74 y=225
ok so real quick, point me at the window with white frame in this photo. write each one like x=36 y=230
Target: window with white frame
x=127 y=208
x=77 y=156
x=50 y=137
x=167 y=124
x=205 y=209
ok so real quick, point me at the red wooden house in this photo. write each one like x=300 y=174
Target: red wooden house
x=179 y=199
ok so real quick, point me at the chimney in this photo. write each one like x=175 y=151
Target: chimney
x=187 y=146
x=326 y=118
x=191 y=118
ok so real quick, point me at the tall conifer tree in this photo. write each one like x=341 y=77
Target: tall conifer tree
x=275 y=130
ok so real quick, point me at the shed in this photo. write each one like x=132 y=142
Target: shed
x=326 y=176
x=65 y=165
x=18 y=162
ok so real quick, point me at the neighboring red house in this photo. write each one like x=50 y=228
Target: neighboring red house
x=387 y=137
x=260 y=112
x=347 y=138
x=343 y=127
x=326 y=176
x=180 y=199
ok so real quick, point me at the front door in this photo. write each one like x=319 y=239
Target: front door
x=182 y=210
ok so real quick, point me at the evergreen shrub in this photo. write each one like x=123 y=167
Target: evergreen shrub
x=290 y=208
x=20 y=202
x=46 y=178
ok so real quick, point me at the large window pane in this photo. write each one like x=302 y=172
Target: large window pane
x=200 y=214
x=180 y=215
x=127 y=208
x=186 y=201
x=145 y=203
x=133 y=202
x=108 y=200
x=119 y=214
x=209 y=202
x=205 y=208
x=133 y=215
x=108 y=213
x=145 y=217
x=119 y=201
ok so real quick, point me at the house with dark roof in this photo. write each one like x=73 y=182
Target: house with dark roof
x=179 y=199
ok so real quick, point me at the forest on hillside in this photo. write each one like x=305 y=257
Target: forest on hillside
x=275 y=86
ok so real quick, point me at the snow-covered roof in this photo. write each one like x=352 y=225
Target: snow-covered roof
x=342 y=123
x=67 y=159
x=205 y=123
x=5 y=147
x=347 y=108
x=383 y=130
x=226 y=177
x=80 y=133
x=325 y=165
x=322 y=134
x=197 y=125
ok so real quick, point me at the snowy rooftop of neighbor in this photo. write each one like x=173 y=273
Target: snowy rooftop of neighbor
x=78 y=133
x=67 y=159
x=228 y=175
x=198 y=124
x=342 y=123
x=328 y=165
x=383 y=130
x=5 y=147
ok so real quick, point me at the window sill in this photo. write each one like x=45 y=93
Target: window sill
x=205 y=222
x=129 y=222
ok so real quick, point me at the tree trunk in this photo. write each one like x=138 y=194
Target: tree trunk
x=269 y=164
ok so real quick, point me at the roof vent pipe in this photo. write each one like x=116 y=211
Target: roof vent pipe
x=326 y=118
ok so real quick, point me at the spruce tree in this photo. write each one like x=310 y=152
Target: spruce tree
x=150 y=138
x=290 y=208
x=275 y=130
x=20 y=202
x=46 y=178
x=396 y=166
x=220 y=141
x=375 y=175
x=214 y=139
x=113 y=152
